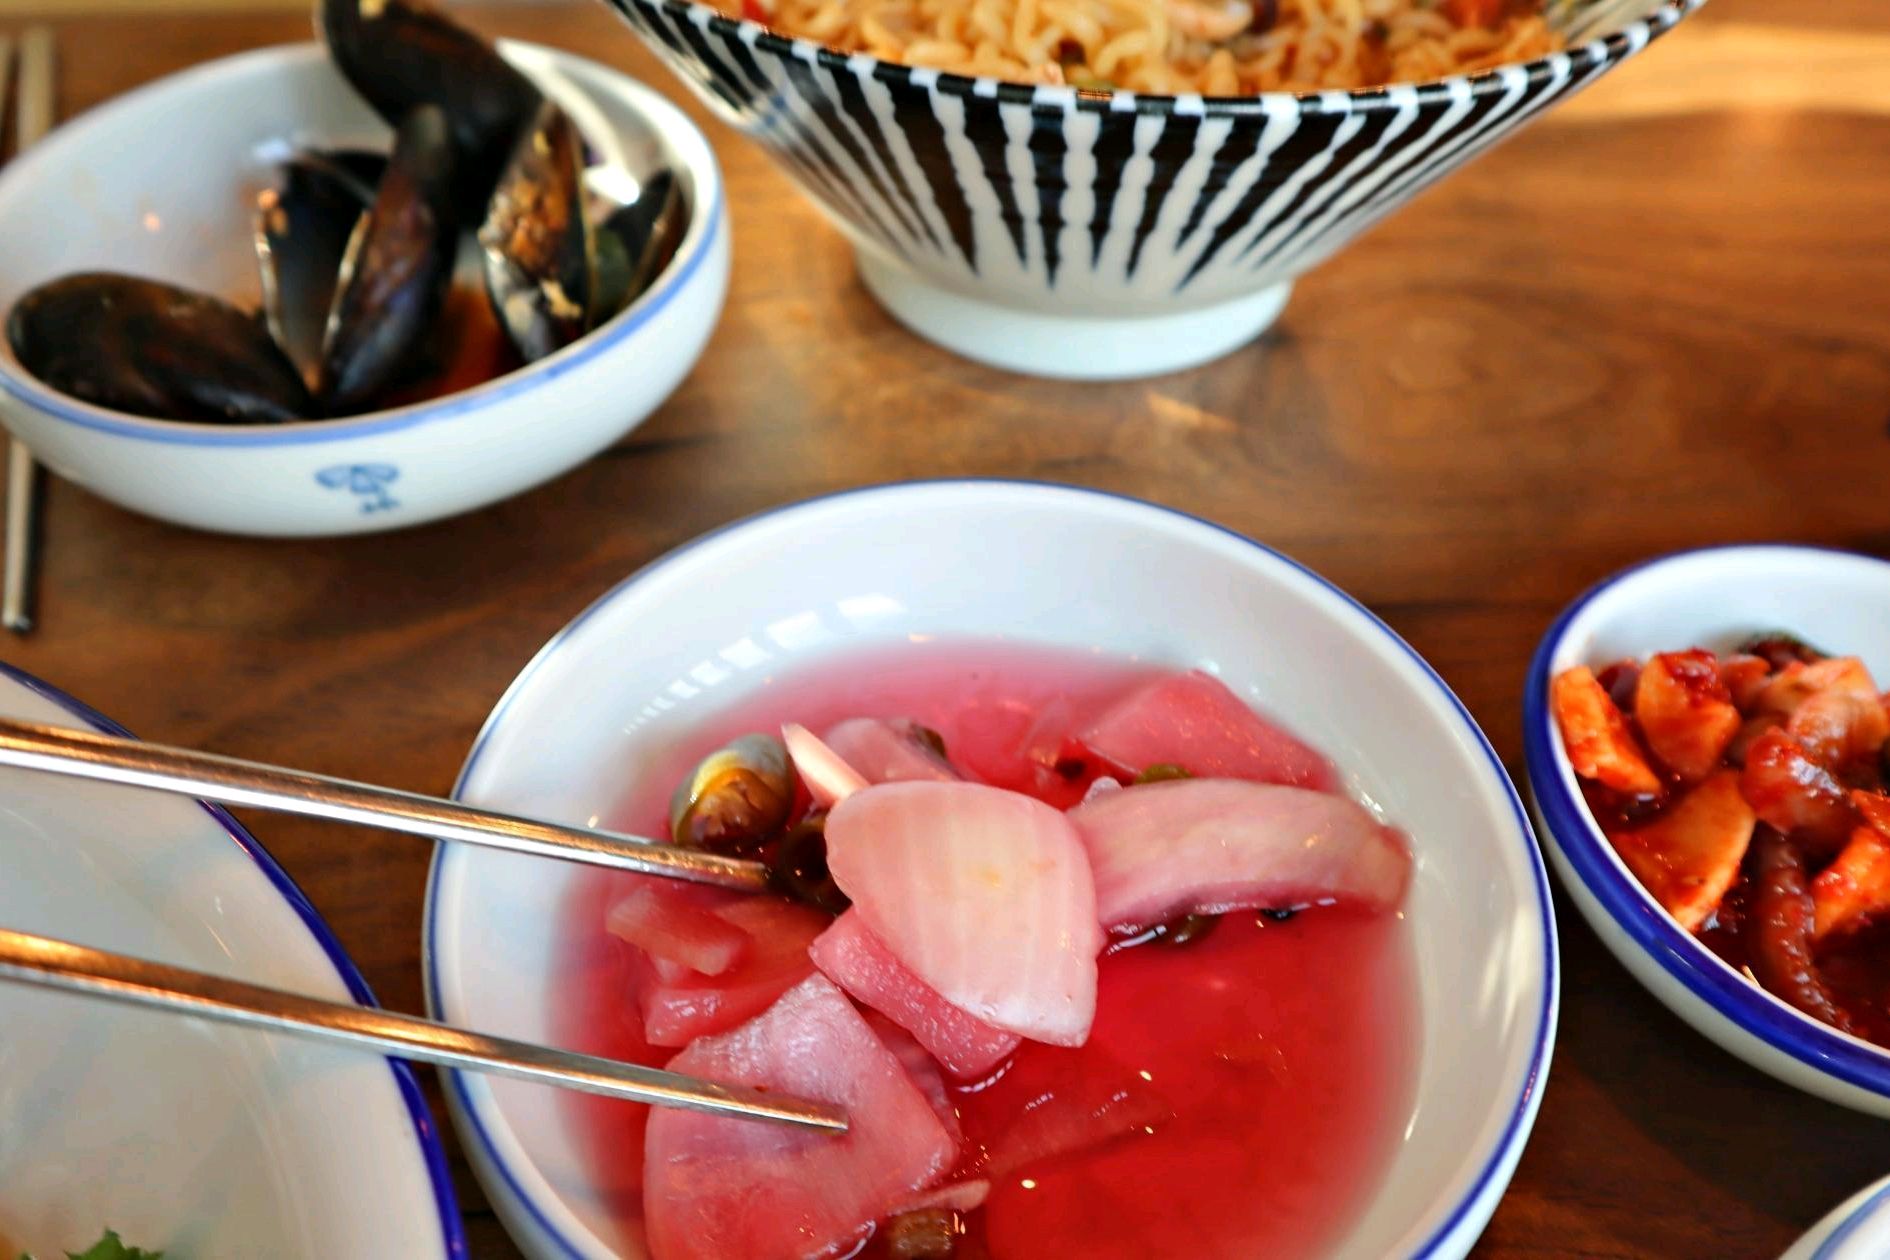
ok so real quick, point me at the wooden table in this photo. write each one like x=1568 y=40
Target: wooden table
x=1660 y=318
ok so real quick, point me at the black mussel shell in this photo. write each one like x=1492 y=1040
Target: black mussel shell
x=397 y=268
x=537 y=245
x=402 y=53
x=637 y=241
x=302 y=230
x=153 y=349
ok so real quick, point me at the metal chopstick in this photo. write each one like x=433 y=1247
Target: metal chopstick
x=33 y=119
x=55 y=964
x=111 y=759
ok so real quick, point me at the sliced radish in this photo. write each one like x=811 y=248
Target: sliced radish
x=856 y=960
x=984 y=894
x=1192 y=720
x=1855 y=888
x=921 y=1067
x=888 y=751
x=720 y=1188
x=1209 y=845
x=1690 y=855
x=1595 y=734
x=829 y=779
x=1685 y=711
x=960 y=1196
x=676 y=1012
x=666 y=924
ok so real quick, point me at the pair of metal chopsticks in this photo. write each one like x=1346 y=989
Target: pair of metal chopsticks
x=32 y=119
x=76 y=968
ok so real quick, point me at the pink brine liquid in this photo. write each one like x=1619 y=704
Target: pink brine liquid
x=1254 y=1083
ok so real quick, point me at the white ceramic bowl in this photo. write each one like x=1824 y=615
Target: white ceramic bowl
x=159 y=183
x=1711 y=598
x=1857 y=1229
x=1034 y=563
x=201 y=1140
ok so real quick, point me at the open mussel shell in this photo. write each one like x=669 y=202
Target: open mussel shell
x=302 y=230
x=399 y=54
x=152 y=349
x=636 y=242
x=395 y=271
x=736 y=800
x=537 y=246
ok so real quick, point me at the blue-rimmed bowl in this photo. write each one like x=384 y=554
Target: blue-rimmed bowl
x=1711 y=598
x=705 y=625
x=197 y=1140
x=160 y=183
x=1104 y=234
x=1857 y=1229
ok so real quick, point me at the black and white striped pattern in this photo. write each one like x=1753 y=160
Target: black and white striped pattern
x=1102 y=202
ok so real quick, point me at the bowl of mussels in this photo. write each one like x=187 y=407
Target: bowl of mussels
x=391 y=276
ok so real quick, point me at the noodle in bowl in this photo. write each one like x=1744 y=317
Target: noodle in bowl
x=1067 y=230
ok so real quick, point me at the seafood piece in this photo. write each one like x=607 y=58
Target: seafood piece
x=1209 y=845
x=1216 y=22
x=984 y=894
x=399 y=54
x=1782 y=919
x=799 y=869
x=396 y=269
x=635 y=242
x=716 y=1187
x=1795 y=794
x=539 y=252
x=302 y=230
x=736 y=799
x=153 y=349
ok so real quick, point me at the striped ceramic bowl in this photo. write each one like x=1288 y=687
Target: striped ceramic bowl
x=1094 y=234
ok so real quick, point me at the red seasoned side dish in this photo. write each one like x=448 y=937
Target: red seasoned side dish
x=1096 y=957
x=1746 y=791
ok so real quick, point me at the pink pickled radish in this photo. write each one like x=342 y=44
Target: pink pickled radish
x=856 y=960
x=1209 y=845
x=1192 y=720
x=676 y=1012
x=887 y=752
x=829 y=779
x=984 y=894
x=671 y=928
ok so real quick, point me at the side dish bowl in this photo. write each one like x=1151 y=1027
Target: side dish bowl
x=1710 y=598
x=1031 y=564
x=1074 y=233
x=107 y=191
x=193 y=1139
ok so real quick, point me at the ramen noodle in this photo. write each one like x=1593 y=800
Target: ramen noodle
x=1214 y=47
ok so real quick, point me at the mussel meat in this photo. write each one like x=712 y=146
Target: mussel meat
x=153 y=349
x=736 y=800
x=539 y=250
x=402 y=53
x=396 y=269
x=302 y=232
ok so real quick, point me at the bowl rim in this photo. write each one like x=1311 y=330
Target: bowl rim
x=1592 y=860
x=680 y=137
x=1519 y=1117
x=1565 y=63
x=433 y=1153
x=1871 y=1201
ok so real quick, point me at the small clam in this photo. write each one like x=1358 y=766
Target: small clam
x=396 y=269
x=799 y=870
x=399 y=54
x=538 y=248
x=736 y=800
x=154 y=350
x=302 y=229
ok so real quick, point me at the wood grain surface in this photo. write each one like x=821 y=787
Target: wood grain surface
x=1658 y=319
